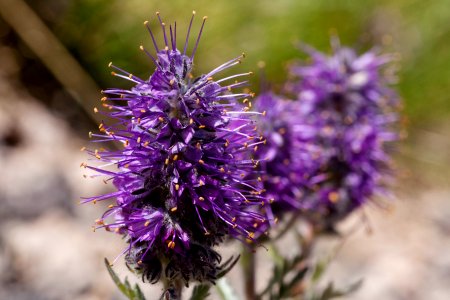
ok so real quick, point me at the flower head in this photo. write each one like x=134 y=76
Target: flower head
x=287 y=157
x=180 y=174
x=345 y=102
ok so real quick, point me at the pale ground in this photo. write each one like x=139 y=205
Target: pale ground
x=48 y=251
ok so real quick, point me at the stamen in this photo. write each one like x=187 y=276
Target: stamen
x=148 y=54
x=151 y=34
x=198 y=38
x=188 y=32
x=163 y=26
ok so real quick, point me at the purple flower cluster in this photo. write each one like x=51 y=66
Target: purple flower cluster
x=288 y=155
x=348 y=109
x=181 y=173
x=327 y=152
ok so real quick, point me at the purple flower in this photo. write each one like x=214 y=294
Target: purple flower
x=180 y=175
x=288 y=156
x=345 y=102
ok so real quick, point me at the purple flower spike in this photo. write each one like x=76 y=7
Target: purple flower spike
x=180 y=175
x=288 y=155
x=346 y=103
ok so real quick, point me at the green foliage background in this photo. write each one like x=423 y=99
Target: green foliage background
x=99 y=31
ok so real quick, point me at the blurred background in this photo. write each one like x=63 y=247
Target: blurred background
x=53 y=63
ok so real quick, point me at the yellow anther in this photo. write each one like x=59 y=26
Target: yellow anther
x=201 y=182
x=166 y=162
x=201 y=199
x=82 y=149
x=222 y=170
x=171 y=245
x=191 y=121
x=174 y=209
x=141 y=47
x=138 y=140
x=255 y=148
x=161 y=119
x=177 y=187
x=110 y=64
x=259 y=178
x=200 y=161
x=147 y=223
x=233 y=219
x=103 y=99
x=175 y=157
x=333 y=197
x=90 y=134
x=264 y=113
x=201 y=126
x=95 y=109
x=110 y=206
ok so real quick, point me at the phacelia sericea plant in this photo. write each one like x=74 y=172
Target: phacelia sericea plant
x=346 y=105
x=181 y=173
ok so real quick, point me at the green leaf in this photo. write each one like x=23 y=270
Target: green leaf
x=225 y=290
x=200 y=292
x=330 y=292
x=277 y=288
x=319 y=269
x=125 y=287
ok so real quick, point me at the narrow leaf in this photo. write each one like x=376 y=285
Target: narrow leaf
x=200 y=292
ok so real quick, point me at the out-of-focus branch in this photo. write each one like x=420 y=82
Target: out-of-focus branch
x=51 y=52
